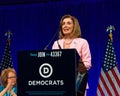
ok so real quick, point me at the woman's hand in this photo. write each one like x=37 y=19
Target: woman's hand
x=81 y=67
x=9 y=86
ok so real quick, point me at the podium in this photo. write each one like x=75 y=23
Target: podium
x=47 y=72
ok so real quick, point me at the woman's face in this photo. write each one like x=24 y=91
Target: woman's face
x=12 y=78
x=67 y=26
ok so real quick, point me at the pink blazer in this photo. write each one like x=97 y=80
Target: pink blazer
x=82 y=47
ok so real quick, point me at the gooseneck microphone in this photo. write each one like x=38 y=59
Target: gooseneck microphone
x=59 y=45
x=46 y=47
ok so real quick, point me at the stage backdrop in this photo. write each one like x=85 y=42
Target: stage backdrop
x=34 y=24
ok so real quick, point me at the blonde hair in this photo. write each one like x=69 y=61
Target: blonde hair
x=4 y=75
x=76 y=30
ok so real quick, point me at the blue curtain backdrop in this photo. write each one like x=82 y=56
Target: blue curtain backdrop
x=34 y=24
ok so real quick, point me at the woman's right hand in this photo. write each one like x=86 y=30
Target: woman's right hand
x=9 y=86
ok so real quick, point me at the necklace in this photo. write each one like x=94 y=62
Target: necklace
x=68 y=42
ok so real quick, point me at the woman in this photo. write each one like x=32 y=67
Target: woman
x=70 y=37
x=8 y=79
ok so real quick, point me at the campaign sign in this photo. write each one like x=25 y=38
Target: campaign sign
x=47 y=73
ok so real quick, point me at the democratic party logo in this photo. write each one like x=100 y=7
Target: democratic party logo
x=45 y=70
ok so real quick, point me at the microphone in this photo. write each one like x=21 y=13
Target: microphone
x=46 y=47
x=59 y=45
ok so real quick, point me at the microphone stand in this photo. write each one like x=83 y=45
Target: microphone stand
x=51 y=40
